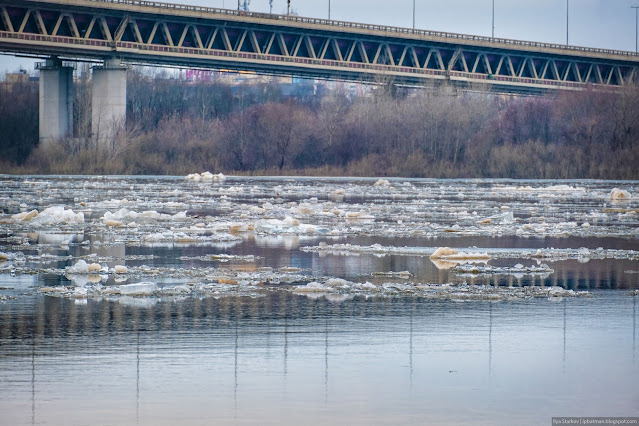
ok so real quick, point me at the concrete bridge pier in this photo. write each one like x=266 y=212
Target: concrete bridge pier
x=108 y=103
x=56 y=100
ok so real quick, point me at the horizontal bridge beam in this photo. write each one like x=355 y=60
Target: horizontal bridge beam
x=151 y=32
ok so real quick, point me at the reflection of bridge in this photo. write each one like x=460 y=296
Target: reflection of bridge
x=157 y=33
x=54 y=336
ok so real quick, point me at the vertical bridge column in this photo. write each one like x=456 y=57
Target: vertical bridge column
x=108 y=104
x=56 y=100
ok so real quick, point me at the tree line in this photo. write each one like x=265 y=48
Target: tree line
x=176 y=127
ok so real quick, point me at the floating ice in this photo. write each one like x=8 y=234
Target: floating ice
x=503 y=219
x=382 y=182
x=184 y=238
x=138 y=289
x=402 y=274
x=266 y=212
x=552 y=188
x=444 y=264
x=619 y=195
x=462 y=292
x=471 y=254
x=80 y=267
x=291 y=222
x=206 y=176
x=473 y=269
x=443 y=251
x=24 y=216
x=175 y=290
x=50 y=216
x=312 y=287
x=288 y=226
x=117 y=218
x=451 y=254
x=363 y=216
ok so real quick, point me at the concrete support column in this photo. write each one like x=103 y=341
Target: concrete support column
x=108 y=104
x=56 y=100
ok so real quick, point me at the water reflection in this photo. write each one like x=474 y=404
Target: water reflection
x=331 y=355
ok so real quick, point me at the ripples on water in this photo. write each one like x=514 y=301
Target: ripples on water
x=246 y=323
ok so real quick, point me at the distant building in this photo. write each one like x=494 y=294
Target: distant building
x=18 y=77
x=12 y=80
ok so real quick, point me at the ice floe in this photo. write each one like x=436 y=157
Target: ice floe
x=460 y=292
x=383 y=182
x=333 y=289
x=50 y=216
x=59 y=221
x=24 y=216
x=619 y=195
x=473 y=253
x=206 y=177
x=551 y=188
x=287 y=226
x=123 y=215
x=447 y=253
x=468 y=269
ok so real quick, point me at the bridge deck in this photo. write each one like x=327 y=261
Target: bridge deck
x=191 y=36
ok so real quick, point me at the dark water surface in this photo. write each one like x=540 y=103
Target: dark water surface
x=288 y=359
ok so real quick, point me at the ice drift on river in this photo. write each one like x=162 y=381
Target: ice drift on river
x=50 y=216
x=619 y=195
x=452 y=254
x=206 y=176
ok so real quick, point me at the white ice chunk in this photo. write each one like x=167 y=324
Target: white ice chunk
x=313 y=287
x=619 y=195
x=176 y=290
x=449 y=253
x=206 y=176
x=55 y=215
x=291 y=222
x=139 y=289
x=553 y=188
x=80 y=267
x=24 y=216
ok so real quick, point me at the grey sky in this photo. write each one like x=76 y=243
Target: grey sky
x=594 y=23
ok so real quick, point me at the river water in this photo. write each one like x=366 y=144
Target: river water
x=165 y=300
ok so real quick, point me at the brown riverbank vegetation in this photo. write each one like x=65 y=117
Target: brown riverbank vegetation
x=176 y=128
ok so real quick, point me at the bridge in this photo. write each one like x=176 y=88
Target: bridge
x=149 y=32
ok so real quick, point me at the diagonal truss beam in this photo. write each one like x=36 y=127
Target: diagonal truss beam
x=302 y=47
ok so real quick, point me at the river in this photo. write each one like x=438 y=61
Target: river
x=226 y=300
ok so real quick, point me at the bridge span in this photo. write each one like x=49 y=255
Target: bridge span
x=149 y=32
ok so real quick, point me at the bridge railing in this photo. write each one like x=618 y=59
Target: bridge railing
x=296 y=61
x=370 y=27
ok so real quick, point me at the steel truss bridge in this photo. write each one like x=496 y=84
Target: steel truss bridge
x=148 y=32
